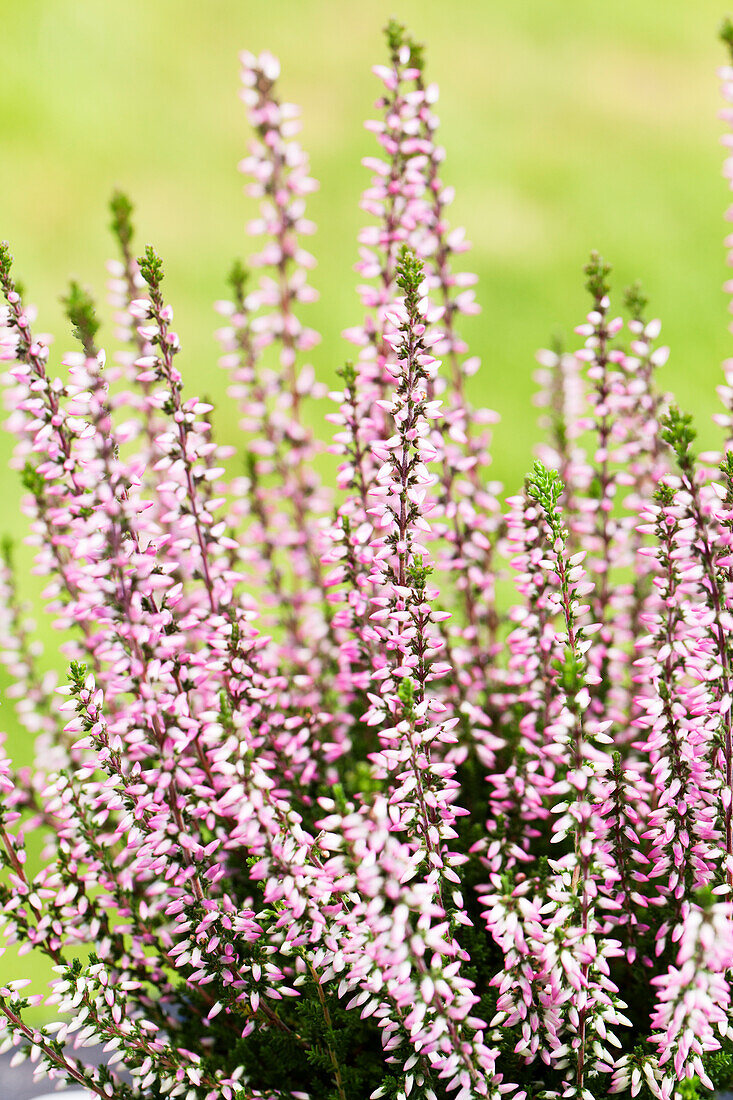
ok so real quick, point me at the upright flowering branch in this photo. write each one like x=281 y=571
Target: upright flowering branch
x=407 y=198
x=466 y=516
x=692 y=1014
x=596 y=1003
x=679 y=434
x=37 y=703
x=31 y=687
x=421 y=790
x=681 y=825
x=179 y=445
x=404 y=620
x=278 y=168
x=725 y=420
x=127 y=282
x=596 y=526
x=32 y=356
x=395 y=198
x=412 y=982
x=47 y=454
x=253 y=503
x=126 y=285
x=124 y=570
x=442 y=243
x=351 y=552
x=624 y=811
x=643 y=461
x=267 y=315
x=640 y=367
x=519 y=769
x=606 y=490
x=433 y=240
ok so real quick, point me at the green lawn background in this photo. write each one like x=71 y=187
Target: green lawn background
x=569 y=124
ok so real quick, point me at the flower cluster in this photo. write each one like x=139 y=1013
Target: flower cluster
x=379 y=789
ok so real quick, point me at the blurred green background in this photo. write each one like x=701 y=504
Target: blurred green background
x=569 y=125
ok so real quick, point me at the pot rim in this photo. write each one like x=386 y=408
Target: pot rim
x=65 y=1094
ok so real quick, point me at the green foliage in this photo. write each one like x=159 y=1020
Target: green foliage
x=726 y=466
x=151 y=267
x=571 y=670
x=678 y=432
x=597 y=272
x=409 y=277
x=417 y=54
x=6 y=261
x=297 y=1042
x=719 y=1066
x=6 y=552
x=726 y=34
x=664 y=495
x=79 y=308
x=32 y=481
x=6 y=279
x=121 y=225
x=359 y=780
x=726 y=469
x=546 y=487
x=417 y=576
x=76 y=676
x=237 y=280
x=635 y=302
x=705 y=897
x=406 y=695
x=396 y=35
x=348 y=375
x=556 y=411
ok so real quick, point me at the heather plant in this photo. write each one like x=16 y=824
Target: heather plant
x=388 y=788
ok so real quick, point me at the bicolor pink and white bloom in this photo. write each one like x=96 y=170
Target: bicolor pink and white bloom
x=382 y=788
